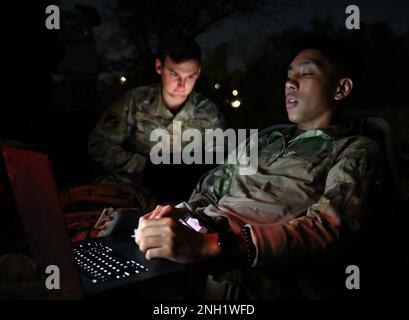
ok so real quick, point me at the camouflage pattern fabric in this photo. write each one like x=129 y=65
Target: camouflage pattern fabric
x=306 y=190
x=120 y=142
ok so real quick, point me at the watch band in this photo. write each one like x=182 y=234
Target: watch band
x=230 y=247
x=251 y=248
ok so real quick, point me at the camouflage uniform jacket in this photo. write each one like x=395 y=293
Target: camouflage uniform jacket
x=306 y=190
x=120 y=142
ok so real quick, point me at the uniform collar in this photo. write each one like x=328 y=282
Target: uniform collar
x=161 y=108
x=339 y=129
x=335 y=130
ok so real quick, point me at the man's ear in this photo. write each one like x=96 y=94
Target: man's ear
x=199 y=72
x=158 y=66
x=344 y=88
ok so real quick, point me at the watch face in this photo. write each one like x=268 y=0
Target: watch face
x=193 y=223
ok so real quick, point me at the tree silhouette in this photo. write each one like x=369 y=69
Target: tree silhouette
x=143 y=24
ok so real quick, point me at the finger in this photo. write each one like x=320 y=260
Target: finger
x=161 y=227
x=160 y=222
x=151 y=242
x=149 y=215
x=104 y=225
x=104 y=220
x=160 y=252
x=113 y=215
x=142 y=220
x=166 y=211
x=101 y=233
x=151 y=231
x=156 y=213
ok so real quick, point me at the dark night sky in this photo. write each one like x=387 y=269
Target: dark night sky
x=395 y=12
x=246 y=33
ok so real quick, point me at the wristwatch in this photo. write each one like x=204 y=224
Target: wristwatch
x=237 y=248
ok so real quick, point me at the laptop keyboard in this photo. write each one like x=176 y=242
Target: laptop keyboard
x=100 y=264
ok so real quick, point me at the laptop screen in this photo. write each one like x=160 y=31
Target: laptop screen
x=36 y=199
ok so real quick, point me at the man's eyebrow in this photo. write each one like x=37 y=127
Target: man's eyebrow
x=306 y=63
x=192 y=74
x=309 y=63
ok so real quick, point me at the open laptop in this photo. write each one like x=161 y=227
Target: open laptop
x=93 y=265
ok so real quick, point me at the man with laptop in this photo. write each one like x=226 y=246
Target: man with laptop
x=310 y=194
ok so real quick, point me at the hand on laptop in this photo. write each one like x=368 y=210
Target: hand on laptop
x=104 y=222
x=161 y=235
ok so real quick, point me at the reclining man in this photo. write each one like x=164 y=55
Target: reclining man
x=310 y=191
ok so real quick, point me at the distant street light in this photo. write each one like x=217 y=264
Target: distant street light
x=122 y=79
x=235 y=103
x=217 y=86
x=235 y=93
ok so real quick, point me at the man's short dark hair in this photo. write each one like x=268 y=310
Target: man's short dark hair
x=340 y=55
x=180 y=49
